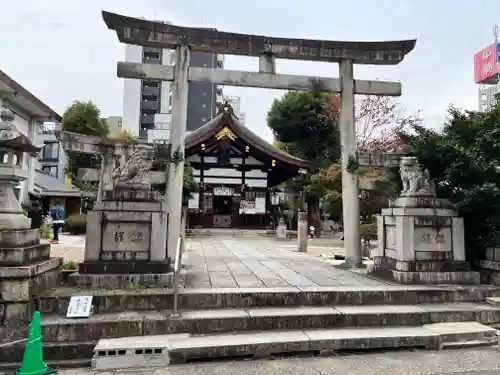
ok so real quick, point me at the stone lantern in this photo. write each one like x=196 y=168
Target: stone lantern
x=13 y=147
x=26 y=268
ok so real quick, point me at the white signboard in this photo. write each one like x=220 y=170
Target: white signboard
x=247 y=207
x=275 y=200
x=194 y=202
x=224 y=191
x=260 y=205
x=79 y=307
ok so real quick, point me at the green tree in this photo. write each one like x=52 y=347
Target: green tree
x=463 y=161
x=190 y=185
x=328 y=182
x=297 y=123
x=83 y=118
x=307 y=125
x=300 y=129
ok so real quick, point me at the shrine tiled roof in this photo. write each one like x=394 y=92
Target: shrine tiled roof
x=226 y=118
x=47 y=185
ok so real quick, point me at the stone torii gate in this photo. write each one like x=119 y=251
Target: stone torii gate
x=186 y=39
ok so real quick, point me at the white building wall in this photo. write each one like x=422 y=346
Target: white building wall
x=115 y=124
x=161 y=132
x=167 y=58
x=235 y=102
x=243 y=117
x=486 y=96
x=132 y=93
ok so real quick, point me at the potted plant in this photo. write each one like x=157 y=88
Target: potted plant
x=67 y=268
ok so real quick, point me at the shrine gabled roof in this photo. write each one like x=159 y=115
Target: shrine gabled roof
x=226 y=118
x=25 y=100
x=47 y=185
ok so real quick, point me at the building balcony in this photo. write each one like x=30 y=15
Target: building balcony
x=147 y=120
x=146 y=50
x=163 y=118
x=159 y=135
x=162 y=126
x=154 y=105
x=48 y=128
x=149 y=90
x=48 y=158
x=152 y=59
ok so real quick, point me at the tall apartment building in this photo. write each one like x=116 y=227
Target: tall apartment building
x=487 y=96
x=147 y=104
x=52 y=158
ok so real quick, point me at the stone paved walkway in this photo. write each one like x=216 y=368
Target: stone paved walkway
x=70 y=248
x=260 y=263
x=219 y=262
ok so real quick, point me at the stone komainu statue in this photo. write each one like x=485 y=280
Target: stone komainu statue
x=414 y=179
x=135 y=165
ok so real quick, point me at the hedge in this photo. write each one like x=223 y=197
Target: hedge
x=76 y=224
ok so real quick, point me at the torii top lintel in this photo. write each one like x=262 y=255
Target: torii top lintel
x=161 y=35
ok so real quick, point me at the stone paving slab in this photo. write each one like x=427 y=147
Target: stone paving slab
x=265 y=343
x=219 y=262
x=261 y=263
x=243 y=263
x=482 y=361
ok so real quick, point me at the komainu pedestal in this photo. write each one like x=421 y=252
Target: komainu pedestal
x=490 y=268
x=126 y=233
x=26 y=269
x=421 y=237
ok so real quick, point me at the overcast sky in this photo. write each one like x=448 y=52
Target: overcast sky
x=61 y=50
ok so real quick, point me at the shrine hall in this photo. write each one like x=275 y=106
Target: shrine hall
x=236 y=171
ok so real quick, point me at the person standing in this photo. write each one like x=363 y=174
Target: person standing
x=35 y=214
x=57 y=215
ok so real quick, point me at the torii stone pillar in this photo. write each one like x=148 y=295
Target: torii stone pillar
x=350 y=181
x=175 y=180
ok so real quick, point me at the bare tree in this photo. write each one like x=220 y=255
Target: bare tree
x=378 y=120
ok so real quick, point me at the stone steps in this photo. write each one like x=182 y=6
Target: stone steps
x=138 y=323
x=105 y=301
x=53 y=353
x=143 y=314
x=171 y=349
